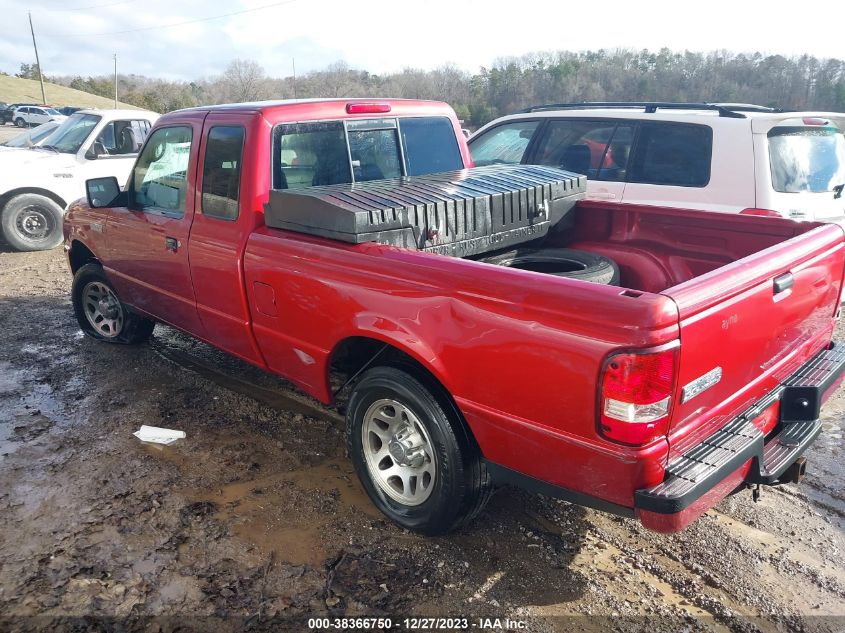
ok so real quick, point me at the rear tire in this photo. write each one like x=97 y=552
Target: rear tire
x=397 y=415
x=101 y=314
x=561 y=262
x=32 y=222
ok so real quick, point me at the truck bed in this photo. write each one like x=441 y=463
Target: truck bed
x=521 y=352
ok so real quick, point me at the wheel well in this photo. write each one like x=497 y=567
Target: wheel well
x=354 y=355
x=79 y=255
x=37 y=190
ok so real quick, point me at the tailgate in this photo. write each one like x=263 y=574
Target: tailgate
x=746 y=326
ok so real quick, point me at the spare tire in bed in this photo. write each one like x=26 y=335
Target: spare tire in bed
x=563 y=262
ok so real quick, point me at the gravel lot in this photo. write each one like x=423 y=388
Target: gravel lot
x=258 y=516
x=8 y=131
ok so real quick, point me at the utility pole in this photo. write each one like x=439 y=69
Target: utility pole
x=37 y=62
x=294 y=76
x=115 y=81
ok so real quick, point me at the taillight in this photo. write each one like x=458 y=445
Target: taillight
x=367 y=108
x=636 y=395
x=814 y=121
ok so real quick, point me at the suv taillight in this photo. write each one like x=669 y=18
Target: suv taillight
x=636 y=394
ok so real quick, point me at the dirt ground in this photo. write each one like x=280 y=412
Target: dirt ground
x=256 y=519
x=8 y=131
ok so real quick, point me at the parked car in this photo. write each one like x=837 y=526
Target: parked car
x=317 y=240
x=28 y=116
x=721 y=157
x=31 y=138
x=37 y=185
x=7 y=111
x=68 y=110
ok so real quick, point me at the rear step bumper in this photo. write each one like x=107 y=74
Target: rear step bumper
x=738 y=452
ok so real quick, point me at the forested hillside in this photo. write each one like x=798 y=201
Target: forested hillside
x=510 y=84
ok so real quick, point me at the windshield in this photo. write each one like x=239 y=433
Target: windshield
x=806 y=159
x=71 y=134
x=32 y=137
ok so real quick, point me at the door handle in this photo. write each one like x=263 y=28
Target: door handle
x=171 y=244
x=783 y=282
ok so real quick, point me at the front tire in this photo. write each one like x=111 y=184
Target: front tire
x=32 y=222
x=101 y=314
x=412 y=452
x=20 y=122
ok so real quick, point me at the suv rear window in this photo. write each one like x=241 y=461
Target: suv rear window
x=357 y=150
x=806 y=159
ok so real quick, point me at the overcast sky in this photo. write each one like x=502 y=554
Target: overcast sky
x=78 y=37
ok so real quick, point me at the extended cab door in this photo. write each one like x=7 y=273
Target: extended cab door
x=226 y=214
x=147 y=241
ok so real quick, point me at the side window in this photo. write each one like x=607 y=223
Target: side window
x=672 y=154
x=122 y=137
x=159 y=181
x=614 y=165
x=306 y=154
x=221 y=172
x=597 y=149
x=430 y=145
x=505 y=143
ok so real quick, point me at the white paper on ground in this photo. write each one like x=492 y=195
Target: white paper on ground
x=158 y=435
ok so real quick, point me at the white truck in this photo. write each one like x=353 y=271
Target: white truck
x=38 y=183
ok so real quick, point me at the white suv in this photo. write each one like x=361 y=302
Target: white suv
x=27 y=116
x=727 y=157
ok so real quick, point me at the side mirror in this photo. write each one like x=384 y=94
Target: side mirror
x=104 y=192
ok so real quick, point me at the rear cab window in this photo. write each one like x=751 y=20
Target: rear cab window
x=357 y=150
x=806 y=159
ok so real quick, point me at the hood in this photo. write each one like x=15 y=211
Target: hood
x=29 y=167
x=17 y=159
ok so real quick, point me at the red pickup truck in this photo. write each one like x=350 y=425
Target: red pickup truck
x=353 y=236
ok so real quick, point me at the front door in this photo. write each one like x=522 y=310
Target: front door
x=148 y=239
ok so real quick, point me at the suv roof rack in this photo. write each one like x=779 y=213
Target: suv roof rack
x=730 y=110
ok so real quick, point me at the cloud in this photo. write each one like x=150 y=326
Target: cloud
x=376 y=35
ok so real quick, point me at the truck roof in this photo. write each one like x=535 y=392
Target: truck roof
x=108 y=112
x=323 y=107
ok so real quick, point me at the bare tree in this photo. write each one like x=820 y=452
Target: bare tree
x=243 y=80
